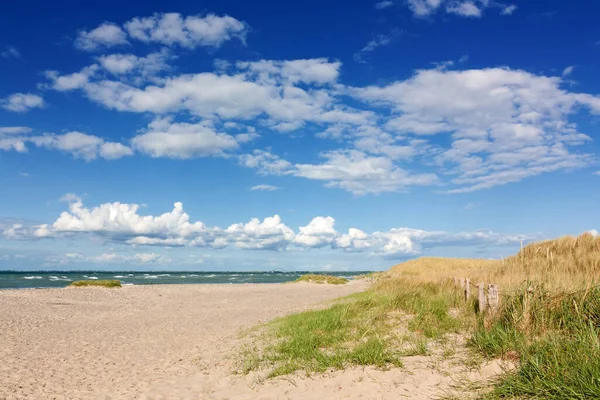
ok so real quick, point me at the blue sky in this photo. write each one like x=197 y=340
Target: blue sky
x=299 y=136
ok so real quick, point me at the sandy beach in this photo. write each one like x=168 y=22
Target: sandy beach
x=171 y=342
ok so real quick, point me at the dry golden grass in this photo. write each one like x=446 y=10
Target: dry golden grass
x=567 y=263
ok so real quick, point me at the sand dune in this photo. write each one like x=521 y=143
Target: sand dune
x=169 y=342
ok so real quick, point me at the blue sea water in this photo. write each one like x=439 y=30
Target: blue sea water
x=54 y=279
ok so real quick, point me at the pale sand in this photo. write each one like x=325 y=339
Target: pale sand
x=172 y=342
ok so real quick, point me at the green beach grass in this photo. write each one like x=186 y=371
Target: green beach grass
x=97 y=283
x=547 y=325
x=316 y=278
x=361 y=329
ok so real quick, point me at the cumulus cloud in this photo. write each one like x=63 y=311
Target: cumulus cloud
x=317 y=70
x=122 y=223
x=22 y=102
x=191 y=31
x=268 y=90
x=137 y=69
x=163 y=138
x=104 y=36
x=168 y=29
x=78 y=144
x=504 y=125
x=463 y=8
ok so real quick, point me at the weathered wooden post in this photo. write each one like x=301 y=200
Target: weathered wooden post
x=468 y=290
x=493 y=298
x=482 y=302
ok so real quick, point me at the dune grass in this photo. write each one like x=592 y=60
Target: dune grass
x=317 y=278
x=548 y=322
x=361 y=329
x=97 y=283
x=549 y=318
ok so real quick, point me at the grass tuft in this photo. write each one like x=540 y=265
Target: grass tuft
x=100 y=283
x=316 y=278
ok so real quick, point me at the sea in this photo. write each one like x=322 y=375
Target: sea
x=56 y=279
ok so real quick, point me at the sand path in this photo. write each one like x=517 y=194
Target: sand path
x=169 y=342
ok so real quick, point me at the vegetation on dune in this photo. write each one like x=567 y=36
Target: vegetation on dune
x=548 y=322
x=361 y=329
x=316 y=278
x=98 y=283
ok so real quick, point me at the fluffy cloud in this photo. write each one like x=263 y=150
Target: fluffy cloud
x=317 y=70
x=167 y=29
x=76 y=80
x=191 y=31
x=360 y=173
x=463 y=8
x=352 y=170
x=140 y=69
x=122 y=223
x=504 y=124
x=104 y=36
x=501 y=125
x=182 y=140
x=79 y=145
x=268 y=90
x=22 y=102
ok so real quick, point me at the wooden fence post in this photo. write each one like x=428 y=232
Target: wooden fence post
x=482 y=302
x=493 y=298
x=468 y=290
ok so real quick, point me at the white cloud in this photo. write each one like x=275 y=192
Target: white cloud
x=264 y=188
x=10 y=52
x=377 y=41
x=270 y=234
x=568 y=71
x=22 y=102
x=122 y=223
x=464 y=9
x=318 y=233
x=266 y=163
x=80 y=145
x=382 y=5
x=504 y=124
x=164 y=138
x=360 y=173
x=316 y=70
x=104 y=36
x=14 y=130
x=137 y=69
x=191 y=31
x=509 y=10
x=139 y=258
x=272 y=91
x=76 y=80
